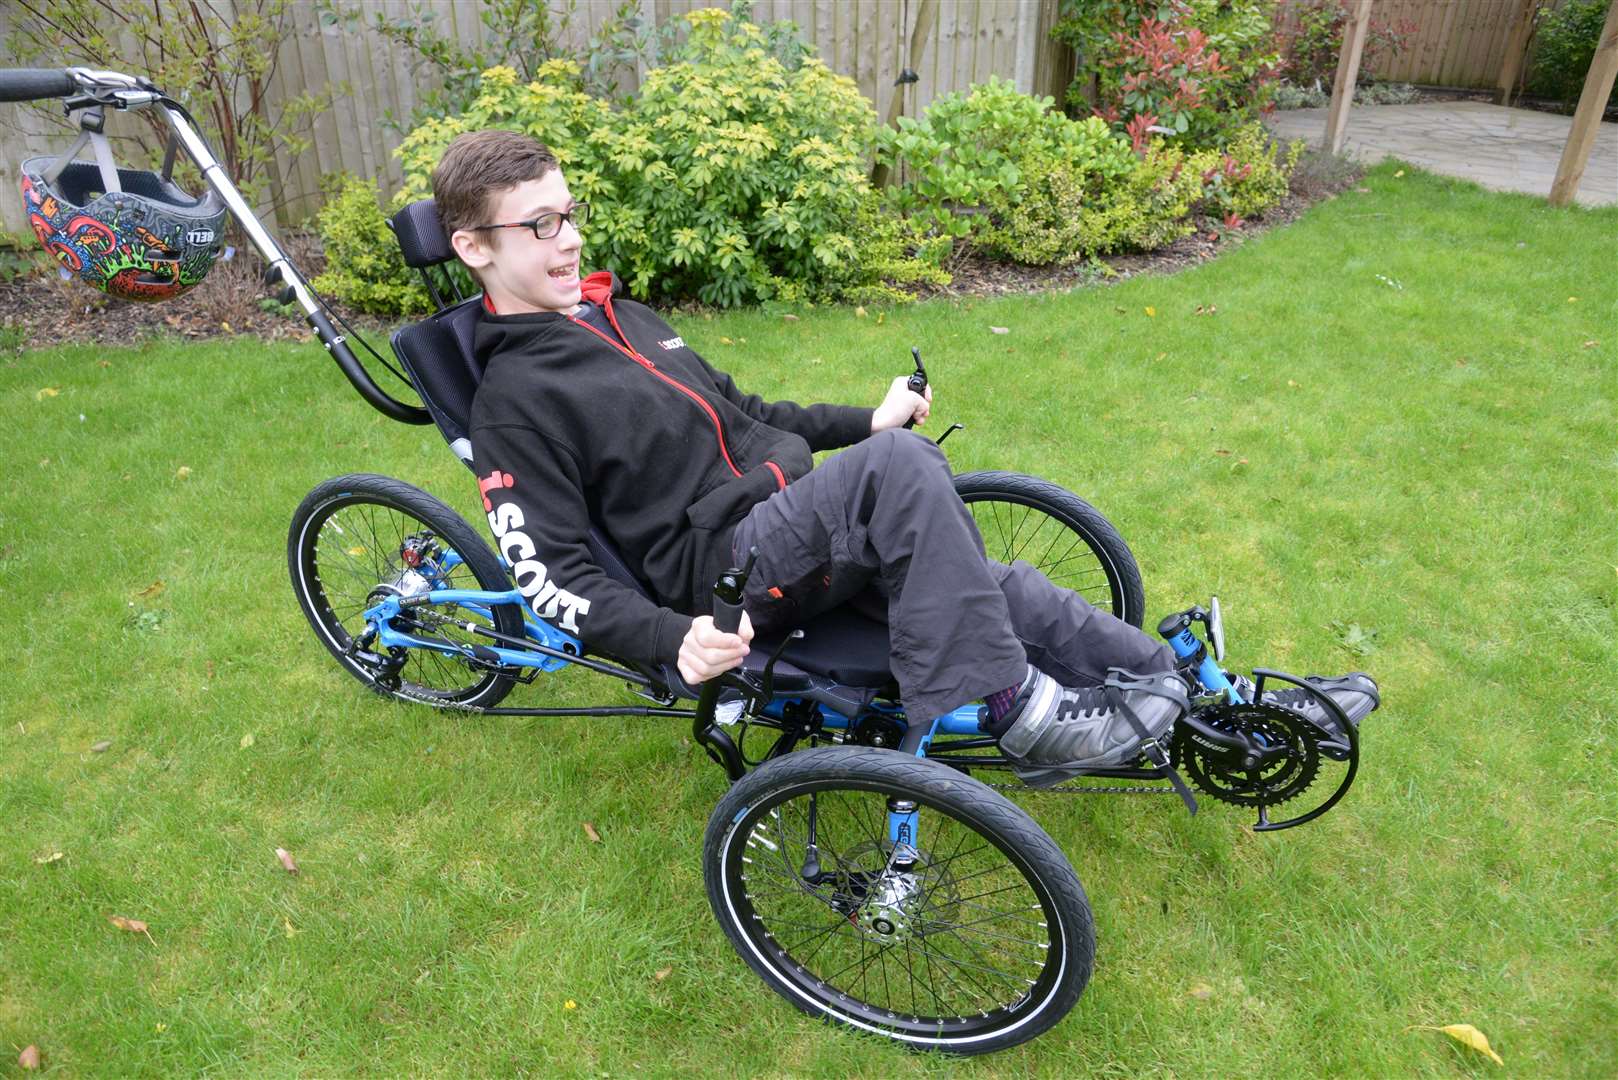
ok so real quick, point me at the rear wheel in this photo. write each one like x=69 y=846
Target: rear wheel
x=967 y=932
x=1061 y=535
x=356 y=537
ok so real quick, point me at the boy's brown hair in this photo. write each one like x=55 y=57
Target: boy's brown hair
x=478 y=165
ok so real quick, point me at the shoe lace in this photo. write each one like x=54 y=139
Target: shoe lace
x=1083 y=704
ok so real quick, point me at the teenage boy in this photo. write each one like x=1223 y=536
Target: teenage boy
x=593 y=408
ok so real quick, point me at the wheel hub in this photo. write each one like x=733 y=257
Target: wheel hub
x=888 y=914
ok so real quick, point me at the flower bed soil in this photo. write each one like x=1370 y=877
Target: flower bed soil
x=45 y=309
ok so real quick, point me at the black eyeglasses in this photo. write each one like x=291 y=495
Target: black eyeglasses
x=546 y=226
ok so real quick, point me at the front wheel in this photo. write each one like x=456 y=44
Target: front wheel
x=899 y=897
x=356 y=538
x=1064 y=537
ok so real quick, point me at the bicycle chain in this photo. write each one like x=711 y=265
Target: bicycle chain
x=1090 y=790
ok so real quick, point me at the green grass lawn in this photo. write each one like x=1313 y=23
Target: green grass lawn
x=1395 y=432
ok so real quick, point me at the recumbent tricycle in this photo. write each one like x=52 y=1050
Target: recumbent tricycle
x=857 y=862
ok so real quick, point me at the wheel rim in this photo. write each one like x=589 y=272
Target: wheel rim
x=974 y=947
x=348 y=547
x=1013 y=529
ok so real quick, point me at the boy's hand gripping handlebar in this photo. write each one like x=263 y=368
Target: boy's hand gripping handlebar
x=727 y=617
x=917 y=383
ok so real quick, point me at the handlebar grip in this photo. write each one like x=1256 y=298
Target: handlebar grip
x=916 y=384
x=726 y=617
x=32 y=84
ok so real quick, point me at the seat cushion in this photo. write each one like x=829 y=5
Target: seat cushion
x=841 y=645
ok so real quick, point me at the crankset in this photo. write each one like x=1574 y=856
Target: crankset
x=1261 y=755
x=1273 y=756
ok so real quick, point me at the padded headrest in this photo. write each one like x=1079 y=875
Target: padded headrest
x=421 y=236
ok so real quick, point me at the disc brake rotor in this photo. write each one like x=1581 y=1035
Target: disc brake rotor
x=1291 y=755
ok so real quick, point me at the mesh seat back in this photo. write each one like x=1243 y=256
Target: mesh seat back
x=437 y=354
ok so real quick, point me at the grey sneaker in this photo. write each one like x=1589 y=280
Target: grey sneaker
x=1356 y=694
x=1060 y=732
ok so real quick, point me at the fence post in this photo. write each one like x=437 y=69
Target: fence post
x=1348 y=72
x=1587 y=119
x=926 y=15
x=1027 y=45
x=1516 y=48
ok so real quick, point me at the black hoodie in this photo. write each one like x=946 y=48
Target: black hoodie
x=632 y=430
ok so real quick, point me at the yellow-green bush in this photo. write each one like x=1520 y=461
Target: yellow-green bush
x=1248 y=177
x=726 y=175
x=363 y=265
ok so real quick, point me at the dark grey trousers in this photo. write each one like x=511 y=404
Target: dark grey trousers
x=879 y=527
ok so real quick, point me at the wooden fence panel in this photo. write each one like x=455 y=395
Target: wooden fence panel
x=1457 y=43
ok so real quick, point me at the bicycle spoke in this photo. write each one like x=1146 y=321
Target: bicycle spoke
x=951 y=956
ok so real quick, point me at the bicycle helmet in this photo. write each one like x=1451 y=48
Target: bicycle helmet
x=130 y=233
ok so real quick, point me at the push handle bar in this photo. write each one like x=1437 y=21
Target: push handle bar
x=33 y=84
x=349 y=364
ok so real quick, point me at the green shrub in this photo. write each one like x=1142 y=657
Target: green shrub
x=1201 y=68
x=727 y=174
x=963 y=160
x=363 y=265
x=1315 y=96
x=1247 y=177
x=1022 y=182
x=22 y=257
x=887 y=255
x=964 y=148
x=1311 y=50
x=1567 y=44
x=1065 y=210
x=1155 y=205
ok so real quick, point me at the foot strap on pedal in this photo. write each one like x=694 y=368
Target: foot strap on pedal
x=1114 y=686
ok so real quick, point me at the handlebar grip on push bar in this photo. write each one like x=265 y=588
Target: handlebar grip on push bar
x=33 y=84
x=727 y=595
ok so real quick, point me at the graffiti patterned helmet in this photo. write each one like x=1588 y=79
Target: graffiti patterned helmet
x=134 y=234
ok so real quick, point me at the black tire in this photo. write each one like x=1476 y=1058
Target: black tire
x=752 y=859
x=1064 y=537
x=346 y=539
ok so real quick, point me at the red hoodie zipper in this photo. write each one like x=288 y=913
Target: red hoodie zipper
x=719 y=431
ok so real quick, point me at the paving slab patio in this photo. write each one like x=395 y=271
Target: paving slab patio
x=1500 y=148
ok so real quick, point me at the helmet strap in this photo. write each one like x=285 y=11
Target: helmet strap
x=168 y=158
x=91 y=122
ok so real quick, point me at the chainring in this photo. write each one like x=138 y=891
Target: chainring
x=1219 y=773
